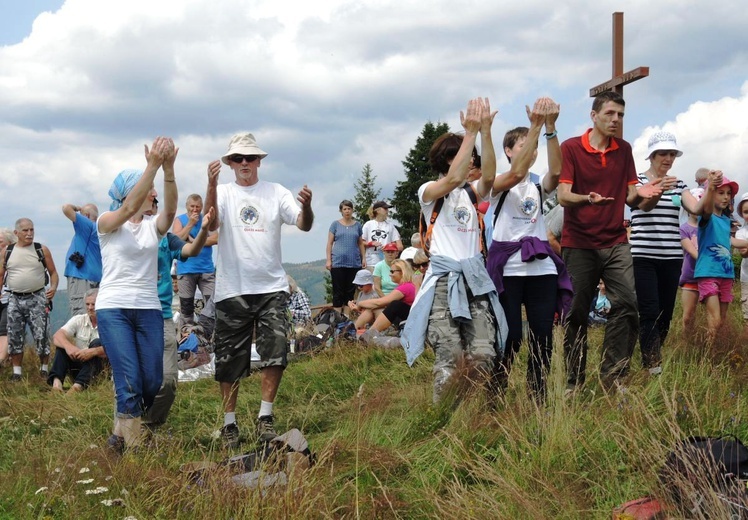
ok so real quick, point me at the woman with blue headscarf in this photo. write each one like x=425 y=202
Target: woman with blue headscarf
x=128 y=310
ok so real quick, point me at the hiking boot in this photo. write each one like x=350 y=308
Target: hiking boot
x=44 y=374
x=15 y=378
x=230 y=436
x=116 y=443
x=265 y=430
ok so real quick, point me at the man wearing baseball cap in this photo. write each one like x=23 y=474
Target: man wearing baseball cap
x=251 y=290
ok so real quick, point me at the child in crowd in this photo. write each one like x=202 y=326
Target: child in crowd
x=742 y=234
x=364 y=281
x=689 y=241
x=599 y=315
x=714 y=271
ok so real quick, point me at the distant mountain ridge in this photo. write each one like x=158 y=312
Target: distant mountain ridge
x=310 y=276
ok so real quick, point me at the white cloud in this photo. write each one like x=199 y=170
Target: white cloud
x=329 y=86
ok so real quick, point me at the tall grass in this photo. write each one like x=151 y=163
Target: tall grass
x=384 y=450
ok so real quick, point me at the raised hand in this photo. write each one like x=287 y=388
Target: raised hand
x=214 y=169
x=552 y=110
x=155 y=156
x=305 y=197
x=715 y=178
x=208 y=218
x=170 y=153
x=471 y=118
x=537 y=114
x=487 y=117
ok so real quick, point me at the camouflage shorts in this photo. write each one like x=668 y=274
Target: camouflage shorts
x=31 y=310
x=240 y=318
x=453 y=340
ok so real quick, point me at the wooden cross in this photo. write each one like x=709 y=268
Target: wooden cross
x=619 y=78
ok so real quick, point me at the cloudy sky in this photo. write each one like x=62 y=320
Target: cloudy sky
x=331 y=85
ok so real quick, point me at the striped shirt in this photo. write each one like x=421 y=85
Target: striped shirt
x=656 y=233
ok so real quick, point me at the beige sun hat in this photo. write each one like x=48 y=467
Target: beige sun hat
x=244 y=144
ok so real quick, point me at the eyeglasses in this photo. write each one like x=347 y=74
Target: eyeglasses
x=418 y=266
x=237 y=158
x=396 y=270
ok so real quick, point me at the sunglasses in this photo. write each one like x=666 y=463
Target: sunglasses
x=421 y=265
x=396 y=270
x=238 y=158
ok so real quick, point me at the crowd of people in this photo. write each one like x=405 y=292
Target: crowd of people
x=490 y=244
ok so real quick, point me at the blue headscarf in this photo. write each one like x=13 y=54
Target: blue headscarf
x=122 y=186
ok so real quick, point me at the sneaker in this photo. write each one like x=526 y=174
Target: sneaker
x=265 y=430
x=44 y=374
x=230 y=436
x=116 y=443
x=15 y=378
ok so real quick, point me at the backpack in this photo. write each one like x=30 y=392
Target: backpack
x=704 y=474
x=425 y=230
x=39 y=253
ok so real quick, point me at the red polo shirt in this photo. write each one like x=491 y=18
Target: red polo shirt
x=608 y=173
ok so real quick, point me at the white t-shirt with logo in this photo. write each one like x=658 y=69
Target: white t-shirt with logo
x=383 y=232
x=521 y=216
x=249 y=245
x=456 y=232
x=129 y=256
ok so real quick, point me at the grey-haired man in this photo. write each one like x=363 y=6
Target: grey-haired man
x=251 y=287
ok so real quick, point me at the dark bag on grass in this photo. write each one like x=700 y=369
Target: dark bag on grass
x=706 y=474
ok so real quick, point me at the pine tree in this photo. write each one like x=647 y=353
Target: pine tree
x=417 y=171
x=365 y=194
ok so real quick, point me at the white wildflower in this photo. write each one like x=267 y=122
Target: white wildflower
x=57 y=470
x=113 y=502
x=97 y=491
x=85 y=481
x=43 y=488
x=84 y=470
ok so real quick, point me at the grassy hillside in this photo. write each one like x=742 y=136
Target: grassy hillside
x=311 y=278
x=384 y=451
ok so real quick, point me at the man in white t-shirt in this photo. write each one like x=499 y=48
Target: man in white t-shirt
x=251 y=286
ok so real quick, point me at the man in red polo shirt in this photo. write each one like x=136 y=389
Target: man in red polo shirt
x=597 y=177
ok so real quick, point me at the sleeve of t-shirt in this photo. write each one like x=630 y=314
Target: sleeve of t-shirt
x=395 y=234
x=408 y=290
x=73 y=325
x=82 y=226
x=175 y=246
x=630 y=166
x=742 y=233
x=333 y=227
x=289 y=209
x=366 y=231
x=378 y=269
x=360 y=229
x=567 y=164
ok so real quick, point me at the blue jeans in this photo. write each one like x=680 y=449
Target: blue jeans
x=134 y=343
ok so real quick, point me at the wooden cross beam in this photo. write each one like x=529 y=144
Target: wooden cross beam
x=619 y=78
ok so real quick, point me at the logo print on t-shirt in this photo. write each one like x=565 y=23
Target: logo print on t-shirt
x=378 y=235
x=249 y=215
x=528 y=205
x=462 y=215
